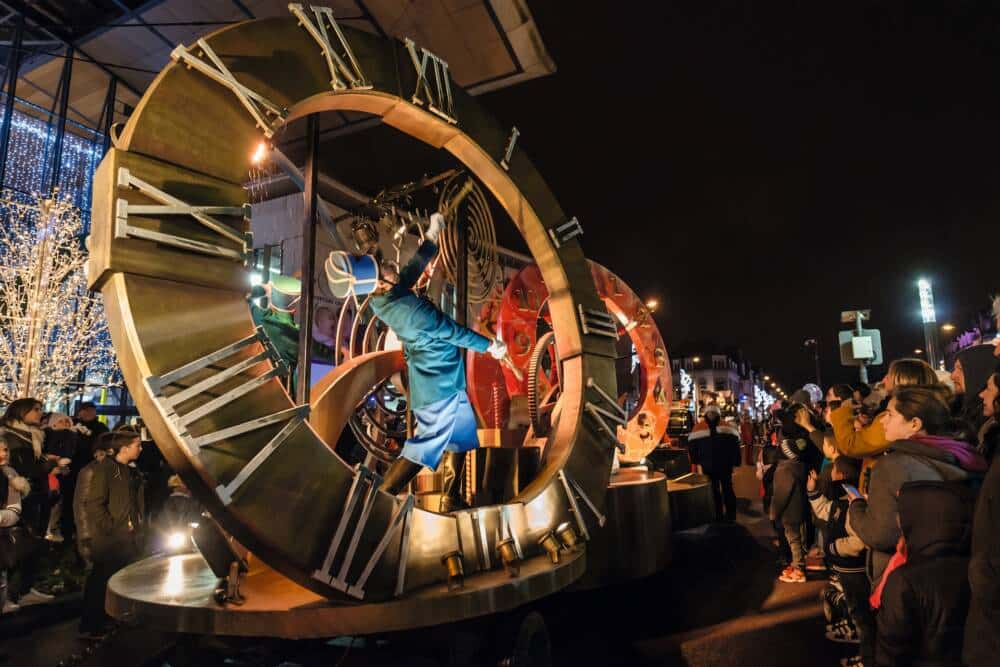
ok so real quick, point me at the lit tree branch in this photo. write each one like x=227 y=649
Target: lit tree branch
x=51 y=327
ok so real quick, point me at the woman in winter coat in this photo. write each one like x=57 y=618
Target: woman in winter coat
x=110 y=528
x=19 y=429
x=982 y=629
x=13 y=487
x=915 y=424
x=871 y=440
x=925 y=600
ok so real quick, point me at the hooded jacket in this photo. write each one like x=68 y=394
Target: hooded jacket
x=789 y=503
x=982 y=638
x=978 y=363
x=927 y=458
x=924 y=602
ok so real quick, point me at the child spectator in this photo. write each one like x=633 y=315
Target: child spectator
x=789 y=506
x=845 y=552
x=925 y=601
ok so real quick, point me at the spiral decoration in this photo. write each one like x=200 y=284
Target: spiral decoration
x=462 y=199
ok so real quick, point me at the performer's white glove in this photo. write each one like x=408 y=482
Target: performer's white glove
x=434 y=229
x=497 y=349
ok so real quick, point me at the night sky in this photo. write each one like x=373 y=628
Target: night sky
x=761 y=166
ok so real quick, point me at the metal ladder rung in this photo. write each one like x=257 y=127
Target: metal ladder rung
x=228 y=397
x=226 y=492
x=158 y=382
x=207 y=439
x=218 y=378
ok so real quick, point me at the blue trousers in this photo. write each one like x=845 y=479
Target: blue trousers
x=445 y=425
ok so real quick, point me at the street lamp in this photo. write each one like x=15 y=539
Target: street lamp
x=918 y=351
x=652 y=305
x=766 y=378
x=929 y=318
x=947 y=328
x=696 y=360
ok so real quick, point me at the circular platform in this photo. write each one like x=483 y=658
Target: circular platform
x=691 y=501
x=174 y=593
x=635 y=540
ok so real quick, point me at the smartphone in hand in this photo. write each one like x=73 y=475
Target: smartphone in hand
x=852 y=491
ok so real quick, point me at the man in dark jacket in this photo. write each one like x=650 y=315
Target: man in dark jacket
x=716 y=448
x=110 y=513
x=925 y=601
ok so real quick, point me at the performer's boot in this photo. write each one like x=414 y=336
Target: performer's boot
x=453 y=482
x=400 y=473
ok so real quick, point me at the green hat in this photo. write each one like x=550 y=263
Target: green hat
x=285 y=293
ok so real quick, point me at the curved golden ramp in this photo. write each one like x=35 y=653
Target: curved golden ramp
x=166 y=251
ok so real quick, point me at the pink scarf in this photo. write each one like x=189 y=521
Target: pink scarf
x=898 y=560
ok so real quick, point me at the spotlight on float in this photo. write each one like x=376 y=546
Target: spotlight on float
x=452 y=562
x=567 y=535
x=225 y=556
x=177 y=540
x=551 y=544
x=508 y=554
x=259 y=154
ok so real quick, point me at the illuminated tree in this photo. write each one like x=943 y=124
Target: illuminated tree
x=51 y=328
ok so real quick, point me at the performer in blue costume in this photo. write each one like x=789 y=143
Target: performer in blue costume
x=433 y=345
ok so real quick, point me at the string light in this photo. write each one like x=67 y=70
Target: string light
x=29 y=158
x=51 y=327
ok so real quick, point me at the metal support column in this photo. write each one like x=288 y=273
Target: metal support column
x=64 y=82
x=863 y=368
x=308 y=258
x=13 y=68
x=462 y=275
x=109 y=112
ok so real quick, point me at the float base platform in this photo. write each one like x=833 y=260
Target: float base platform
x=175 y=593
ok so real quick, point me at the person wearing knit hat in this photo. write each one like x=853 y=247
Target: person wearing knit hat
x=973 y=366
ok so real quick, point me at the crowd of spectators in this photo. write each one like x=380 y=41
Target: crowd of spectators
x=897 y=488
x=71 y=486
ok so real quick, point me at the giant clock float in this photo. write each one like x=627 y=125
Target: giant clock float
x=329 y=552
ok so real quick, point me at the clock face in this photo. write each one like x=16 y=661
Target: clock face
x=168 y=247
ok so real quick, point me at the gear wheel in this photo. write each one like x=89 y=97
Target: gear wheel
x=539 y=425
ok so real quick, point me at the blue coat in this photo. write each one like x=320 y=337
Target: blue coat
x=432 y=341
